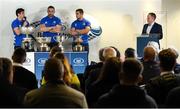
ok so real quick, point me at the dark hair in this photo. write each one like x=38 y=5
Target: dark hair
x=19 y=55
x=118 y=54
x=54 y=50
x=110 y=70
x=131 y=69
x=167 y=59
x=101 y=57
x=53 y=70
x=80 y=10
x=153 y=15
x=50 y=7
x=5 y=67
x=130 y=53
x=19 y=10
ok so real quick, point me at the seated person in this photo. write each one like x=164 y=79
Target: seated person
x=55 y=93
x=151 y=67
x=127 y=94
x=22 y=77
x=159 y=87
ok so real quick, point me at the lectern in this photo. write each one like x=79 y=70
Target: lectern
x=143 y=40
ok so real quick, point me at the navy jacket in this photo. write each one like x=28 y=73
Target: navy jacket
x=156 y=29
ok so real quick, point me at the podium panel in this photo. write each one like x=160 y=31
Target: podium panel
x=142 y=41
x=36 y=60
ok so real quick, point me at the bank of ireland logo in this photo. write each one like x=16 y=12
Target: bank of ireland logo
x=27 y=62
x=41 y=61
x=78 y=62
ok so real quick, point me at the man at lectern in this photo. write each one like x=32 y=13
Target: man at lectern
x=152 y=28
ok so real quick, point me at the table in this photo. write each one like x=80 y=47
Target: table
x=35 y=62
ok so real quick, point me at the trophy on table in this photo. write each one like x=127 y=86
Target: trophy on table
x=78 y=47
x=44 y=41
x=60 y=39
x=27 y=42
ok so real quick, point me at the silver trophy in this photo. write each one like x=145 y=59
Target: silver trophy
x=60 y=39
x=78 y=47
x=44 y=41
x=27 y=42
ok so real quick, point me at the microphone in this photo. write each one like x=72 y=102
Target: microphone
x=25 y=23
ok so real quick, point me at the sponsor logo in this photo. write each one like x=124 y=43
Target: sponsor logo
x=78 y=61
x=28 y=60
x=42 y=61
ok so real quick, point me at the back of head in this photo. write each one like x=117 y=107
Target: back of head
x=130 y=53
x=167 y=59
x=63 y=59
x=19 y=55
x=175 y=51
x=6 y=73
x=59 y=55
x=118 y=54
x=110 y=70
x=131 y=70
x=53 y=70
x=54 y=50
x=154 y=45
x=101 y=58
x=109 y=52
x=149 y=53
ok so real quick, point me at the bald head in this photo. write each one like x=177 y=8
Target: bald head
x=149 y=53
x=109 y=52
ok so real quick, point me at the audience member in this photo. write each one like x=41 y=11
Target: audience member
x=22 y=77
x=55 y=93
x=106 y=80
x=127 y=94
x=108 y=52
x=10 y=95
x=130 y=53
x=158 y=87
x=151 y=67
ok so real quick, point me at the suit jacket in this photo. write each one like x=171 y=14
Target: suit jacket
x=158 y=87
x=156 y=29
x=151 y=69
x=122 y=96
x=55 y=95
x=24 y=78
x=10 y=95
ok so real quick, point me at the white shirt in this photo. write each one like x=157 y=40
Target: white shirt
x=149 y=28
x=162 y=73
x=17 y=64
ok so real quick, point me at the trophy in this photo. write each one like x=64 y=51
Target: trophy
x=44 y=41
x=60 y=40
x=78 y=47
x=27 y=43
